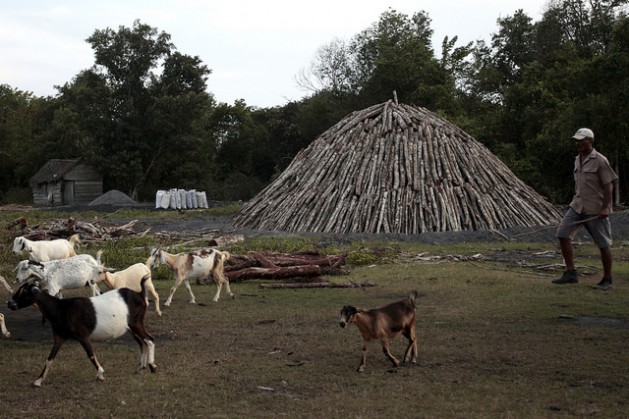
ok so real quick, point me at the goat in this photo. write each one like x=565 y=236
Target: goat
x=107 y=316
x=46 y=250
x=196 y=265
x=384 y=323
x=57 y=275
x=131 y=277
x=3 y=326
x=6 y=285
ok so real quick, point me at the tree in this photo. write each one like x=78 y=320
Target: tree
x=138 y=116
x=393 y=54
x=16 y=138
x=334 y=70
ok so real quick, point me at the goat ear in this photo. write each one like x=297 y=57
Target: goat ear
x=348 y=311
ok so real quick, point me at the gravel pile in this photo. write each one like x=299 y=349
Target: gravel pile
x=113 y=198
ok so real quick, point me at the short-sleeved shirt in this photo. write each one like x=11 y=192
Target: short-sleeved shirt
x=590 y=176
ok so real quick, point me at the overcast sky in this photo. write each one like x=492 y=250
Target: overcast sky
x=255 y=48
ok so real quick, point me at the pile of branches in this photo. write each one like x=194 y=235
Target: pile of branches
x=295 y=270
x=62 y=229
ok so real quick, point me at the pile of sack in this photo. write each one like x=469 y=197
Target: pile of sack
x=180 y=199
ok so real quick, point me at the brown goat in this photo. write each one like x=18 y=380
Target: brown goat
x=385 y=323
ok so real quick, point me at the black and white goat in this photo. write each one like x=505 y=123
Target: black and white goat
x=46 y=250
x=385 y=323
x=57 y=275
x=107 y=316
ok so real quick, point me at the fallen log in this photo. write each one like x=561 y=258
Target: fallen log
x=21 y=221
x=273 y=273
x=324 y=284
x=269 y=259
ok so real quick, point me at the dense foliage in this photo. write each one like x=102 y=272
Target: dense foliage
x=143 y=116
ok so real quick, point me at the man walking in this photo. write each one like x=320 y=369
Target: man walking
x=590 y=207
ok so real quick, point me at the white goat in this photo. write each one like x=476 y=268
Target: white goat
x=131 y=277
x=6 y=284
x=3 y=327
x=46 y=250
x=195 y=265
x=57 y=275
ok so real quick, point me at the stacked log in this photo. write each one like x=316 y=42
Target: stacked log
x=394 y=168
x=300 y=267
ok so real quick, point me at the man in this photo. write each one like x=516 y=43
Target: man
x=590 y=207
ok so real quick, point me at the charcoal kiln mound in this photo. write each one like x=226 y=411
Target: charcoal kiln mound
x=394 y=168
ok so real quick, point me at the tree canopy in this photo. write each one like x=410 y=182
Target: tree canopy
x=142 y=114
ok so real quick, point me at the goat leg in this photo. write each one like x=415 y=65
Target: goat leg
x=44 y=373
x=363 y=360
x=147 y=349
x=218 y=291
x=193 y=300
x=387 y=352
x=174 y=288
x=3 y=328
x=411 y=352
x=58 y=341
x=151 y=356
x=87 y=345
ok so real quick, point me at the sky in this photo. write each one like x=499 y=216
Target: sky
x=255 y=49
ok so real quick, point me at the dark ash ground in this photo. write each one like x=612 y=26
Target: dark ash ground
x=222 y=225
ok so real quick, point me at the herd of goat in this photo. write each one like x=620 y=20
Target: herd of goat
x=54 y=266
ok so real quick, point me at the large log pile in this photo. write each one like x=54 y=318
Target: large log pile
x=393 y=168
x=291 y=270
x=300 y=267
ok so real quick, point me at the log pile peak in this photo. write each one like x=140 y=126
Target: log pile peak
x=394 y=168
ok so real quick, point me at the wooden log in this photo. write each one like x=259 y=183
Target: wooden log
x=323 y=284
x=273 y=273
x=20 y=221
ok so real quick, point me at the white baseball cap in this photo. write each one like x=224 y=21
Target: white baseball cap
x=583 y=133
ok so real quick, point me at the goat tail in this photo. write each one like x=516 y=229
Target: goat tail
x=413 y=297
x=224 y=255
x=142 y=285
x=219 y=266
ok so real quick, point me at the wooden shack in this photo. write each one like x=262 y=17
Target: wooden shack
x=66 y=182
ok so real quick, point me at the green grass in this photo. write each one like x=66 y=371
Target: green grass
x=496 y=339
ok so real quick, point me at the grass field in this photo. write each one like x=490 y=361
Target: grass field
x=496 y=340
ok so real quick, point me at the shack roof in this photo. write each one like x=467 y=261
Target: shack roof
x=53 y=171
